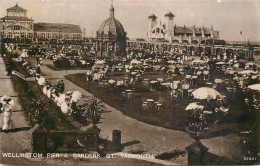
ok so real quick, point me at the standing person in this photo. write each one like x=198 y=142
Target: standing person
x=61 y=86
x=7 y=108
x=1 y=105
x=38 y=69
x=38 y=60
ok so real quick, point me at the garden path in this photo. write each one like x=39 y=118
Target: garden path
x=18 y=140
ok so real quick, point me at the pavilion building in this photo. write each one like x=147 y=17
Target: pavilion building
x=178 y=34
x=16 y=25
x=111 y=37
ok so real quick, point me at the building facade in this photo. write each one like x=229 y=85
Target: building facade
x=57 y=31
x=178 y=34
x=16 y=25
x=111 y=37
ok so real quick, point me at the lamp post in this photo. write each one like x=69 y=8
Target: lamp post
x=172 y=111
x=2 y=37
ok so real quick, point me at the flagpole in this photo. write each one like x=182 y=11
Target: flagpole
x=241 y=38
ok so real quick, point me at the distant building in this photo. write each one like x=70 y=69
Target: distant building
x=17 y=25
x=57 y=31
x=178 y=34
x=111 y=37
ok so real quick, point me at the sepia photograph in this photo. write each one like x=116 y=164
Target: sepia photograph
x=129 y=82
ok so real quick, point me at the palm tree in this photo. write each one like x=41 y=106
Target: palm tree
x=94 y=109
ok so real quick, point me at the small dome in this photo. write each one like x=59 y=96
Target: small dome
x=113 y=26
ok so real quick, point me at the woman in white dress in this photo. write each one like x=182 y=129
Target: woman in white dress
x=7 y=108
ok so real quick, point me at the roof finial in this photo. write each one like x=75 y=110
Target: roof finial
x=16 y=2
x=112 y=10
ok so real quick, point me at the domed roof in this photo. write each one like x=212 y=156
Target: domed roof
x=112 y=26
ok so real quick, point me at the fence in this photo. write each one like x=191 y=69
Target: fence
x=198 y=155
x=70 y=141
x=22 y=76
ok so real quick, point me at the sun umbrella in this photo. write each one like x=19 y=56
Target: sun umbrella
x=193 y=106
x=205 y=93
x=254 y=87
x=41 y=80
x=61 y=98
x=111 y=81
x=197 y=61
x=76 y=95
x=64 y=107
x=218 y=80
x=222 y=63
x=100 y=62
x=134 y=61
x=171 y=62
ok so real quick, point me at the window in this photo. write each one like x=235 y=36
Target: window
x=48 y=35
x=9 y=35
x=54 y=36
x=17 y=27
x=43 y=35
x=30 y=35
x=23 y=35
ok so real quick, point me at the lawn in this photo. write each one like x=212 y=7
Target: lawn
x=173 y=117
x=133 y=107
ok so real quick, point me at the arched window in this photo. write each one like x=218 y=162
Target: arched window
x=23 y=35
x=43 y=36
x=10 y=35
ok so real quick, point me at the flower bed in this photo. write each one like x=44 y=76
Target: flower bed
x=29 y=92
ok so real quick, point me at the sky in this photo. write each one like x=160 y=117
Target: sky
x=227 y=16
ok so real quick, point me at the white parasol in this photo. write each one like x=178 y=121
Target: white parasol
x=41 y=81
x=76 y=95
x=193 y=106
x=100 y=62
x=254 y=87
x=198 y=62
x=205 y=93
x=171 y=62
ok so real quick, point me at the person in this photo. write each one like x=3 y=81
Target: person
x=7 y=108
x=38 y=69
x=60 y=86
x=38 y=60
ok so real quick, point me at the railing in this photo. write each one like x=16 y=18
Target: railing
x=20 y=75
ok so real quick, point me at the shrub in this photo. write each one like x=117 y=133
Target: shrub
x=140 y=88
x=62 y=63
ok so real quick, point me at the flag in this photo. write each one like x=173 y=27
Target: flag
x=241 y=33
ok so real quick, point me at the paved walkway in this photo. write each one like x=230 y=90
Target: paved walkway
x=21 y=130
